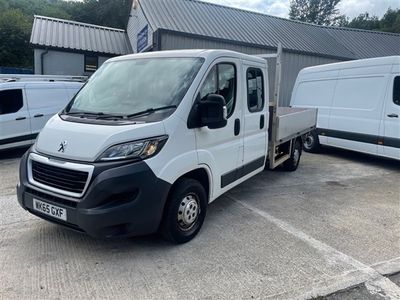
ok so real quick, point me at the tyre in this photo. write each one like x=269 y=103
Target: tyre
x=185 y=211
x=293 y=162
x=311 y=142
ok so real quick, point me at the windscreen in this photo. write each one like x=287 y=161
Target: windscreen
x=130 y=86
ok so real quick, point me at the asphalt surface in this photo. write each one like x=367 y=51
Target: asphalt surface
x=330 y=230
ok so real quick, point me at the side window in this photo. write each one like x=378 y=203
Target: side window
x=396 y=90
x=221 y=80
x=255 y=90
x=210 y=85
x=11 y=101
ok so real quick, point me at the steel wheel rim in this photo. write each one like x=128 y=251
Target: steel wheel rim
x=188 y=212
x=308 y=143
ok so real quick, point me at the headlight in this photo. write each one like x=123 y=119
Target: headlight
x=141 y=149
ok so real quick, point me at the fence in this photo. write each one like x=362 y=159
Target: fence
x=11 y=70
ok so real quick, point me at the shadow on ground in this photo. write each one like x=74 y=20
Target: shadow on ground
x=12 y=153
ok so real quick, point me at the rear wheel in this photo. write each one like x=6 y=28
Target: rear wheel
x=185 y=211
x=293 y=162
x=311 y=142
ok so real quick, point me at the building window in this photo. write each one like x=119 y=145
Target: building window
x=11 y=101
x=222 y=81
x=91 y=63
x=396 y=90
x=255 y=90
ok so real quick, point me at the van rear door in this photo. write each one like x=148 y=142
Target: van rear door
x=316 y=90
x=15 y=127
x=391 y=119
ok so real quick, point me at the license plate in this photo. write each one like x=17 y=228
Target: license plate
x=50 y=210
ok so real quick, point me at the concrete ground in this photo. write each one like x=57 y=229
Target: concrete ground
x=330 y=230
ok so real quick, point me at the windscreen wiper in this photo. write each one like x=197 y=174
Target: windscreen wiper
x=96 y=115
x=150 y=111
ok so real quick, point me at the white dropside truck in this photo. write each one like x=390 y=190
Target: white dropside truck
x=152 y=138
x=358 y=105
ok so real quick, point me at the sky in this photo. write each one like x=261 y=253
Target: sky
x=280 y=8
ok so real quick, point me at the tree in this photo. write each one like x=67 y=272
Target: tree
x=390 y=22
x=15 y=30
x=365 y=21
x=321 y=12
x=113 y=13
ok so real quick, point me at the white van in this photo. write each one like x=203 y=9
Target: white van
x=358 y=105
x=28 y=102
x=152 y=138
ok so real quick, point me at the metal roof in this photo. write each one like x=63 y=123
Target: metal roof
x=59 y=33
x=238 y=25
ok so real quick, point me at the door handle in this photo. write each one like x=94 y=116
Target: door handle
x=38 y=116
x=393 y=116
x=20 y=118
x=237 y=126
x=262 y=121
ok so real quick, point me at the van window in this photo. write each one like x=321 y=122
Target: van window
x=255 y=90
x=396 y=90
x=11 y=101
x=221 y=80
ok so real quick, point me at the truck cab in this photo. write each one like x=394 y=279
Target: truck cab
x=152 y=138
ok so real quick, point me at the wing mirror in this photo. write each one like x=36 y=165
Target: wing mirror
x=213 y=112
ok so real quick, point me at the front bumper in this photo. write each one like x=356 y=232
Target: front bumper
x=122 y=199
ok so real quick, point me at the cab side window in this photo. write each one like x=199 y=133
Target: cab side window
x=396 y=90
x=11 y=101
x=221 y=80
x=255 y=90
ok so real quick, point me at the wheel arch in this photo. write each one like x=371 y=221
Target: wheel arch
x=202 y=175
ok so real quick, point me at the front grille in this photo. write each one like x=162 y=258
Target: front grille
x=59 y=178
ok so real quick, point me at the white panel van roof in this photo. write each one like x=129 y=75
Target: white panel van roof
x=370 y=62
x=205 y=53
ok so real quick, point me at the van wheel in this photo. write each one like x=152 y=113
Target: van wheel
x=185 y=212
x=311 y=142
x=293 y=162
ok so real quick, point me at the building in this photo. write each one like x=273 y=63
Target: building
x=63 y=47
x=156 y=25
x=186 y=24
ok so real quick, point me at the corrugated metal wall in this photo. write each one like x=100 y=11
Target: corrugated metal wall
x=137 y=21
x=292 y=62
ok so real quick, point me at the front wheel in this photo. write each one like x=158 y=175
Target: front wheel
x=293 y=162
x=185 y=212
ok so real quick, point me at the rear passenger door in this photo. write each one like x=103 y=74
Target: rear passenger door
x=391 y=118
x=14 y=119
x=44 y=101
x=255 y=122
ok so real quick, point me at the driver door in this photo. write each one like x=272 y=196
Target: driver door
x=222 y=149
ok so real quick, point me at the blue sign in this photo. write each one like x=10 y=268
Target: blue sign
x=142 y=39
